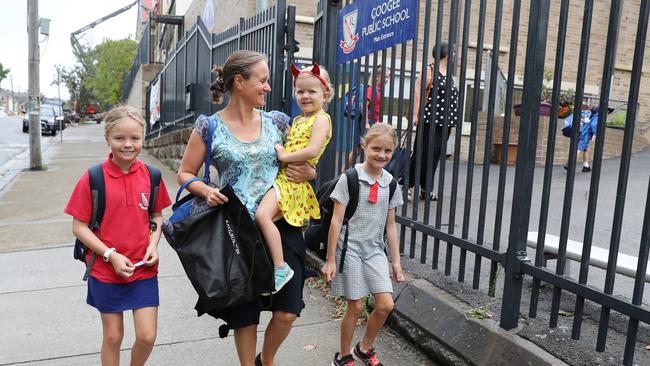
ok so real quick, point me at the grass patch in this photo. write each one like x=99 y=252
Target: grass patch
x=479 y=313
x=617 y=119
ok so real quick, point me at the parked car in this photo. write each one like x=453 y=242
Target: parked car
x=49 y=121
x=58 y=113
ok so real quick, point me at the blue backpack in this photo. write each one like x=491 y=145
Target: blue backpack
x=352 y=104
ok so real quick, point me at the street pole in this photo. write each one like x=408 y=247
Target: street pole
x=34 y=105
x=13 y=98
x=58 y=90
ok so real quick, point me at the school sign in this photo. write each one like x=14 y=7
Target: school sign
x=369 y=26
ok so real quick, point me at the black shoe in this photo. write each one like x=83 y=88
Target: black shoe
x=565 y=167
x=346 y=360
x=586 y=169
x=432 y=196
x=369 y=358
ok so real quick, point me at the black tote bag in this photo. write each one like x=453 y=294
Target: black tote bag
x=223 y=255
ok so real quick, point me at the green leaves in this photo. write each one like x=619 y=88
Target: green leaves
x=111 y=59
x=99 y=73
x=3 y=73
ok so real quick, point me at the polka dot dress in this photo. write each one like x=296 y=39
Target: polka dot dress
x=440 y=104
x=297 y=201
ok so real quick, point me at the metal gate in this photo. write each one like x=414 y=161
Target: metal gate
x=475 y=198
x=186 y=77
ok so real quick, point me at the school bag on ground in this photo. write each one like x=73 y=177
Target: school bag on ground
x=317 y=233
x=98 y=199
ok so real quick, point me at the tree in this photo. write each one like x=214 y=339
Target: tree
x=110 y=60
x=3 y=73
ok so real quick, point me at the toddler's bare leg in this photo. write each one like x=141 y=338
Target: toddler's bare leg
x=266 y=212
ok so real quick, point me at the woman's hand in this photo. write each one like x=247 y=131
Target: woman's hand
x=121 y=264
x=398 y=273
x=214 y=197
x=279 y=149
x=329 y=270
x=151 y=255
x=415 y=120
x=300 y=172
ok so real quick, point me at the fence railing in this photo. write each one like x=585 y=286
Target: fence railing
x=143 y=56
x=186 y=76
x=482 y=217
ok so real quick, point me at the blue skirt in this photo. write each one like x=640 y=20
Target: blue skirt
x=118 y=297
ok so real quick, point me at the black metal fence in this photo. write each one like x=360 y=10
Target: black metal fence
x=143 y=56
x=185 y=79
x=480 y=206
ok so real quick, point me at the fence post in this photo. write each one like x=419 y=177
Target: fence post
x=291 y=46
x=525 y=169
x=326 y=56
x=278 y=67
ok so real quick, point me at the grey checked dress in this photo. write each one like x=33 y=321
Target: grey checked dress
x=365 y=270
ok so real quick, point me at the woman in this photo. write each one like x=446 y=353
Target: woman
x=244 y=155
x=434 y=111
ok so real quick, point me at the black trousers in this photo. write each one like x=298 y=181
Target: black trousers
x=438 y=141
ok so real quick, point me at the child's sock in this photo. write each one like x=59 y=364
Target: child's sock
x=585 y=164
x=362 y=349
x=283 y=266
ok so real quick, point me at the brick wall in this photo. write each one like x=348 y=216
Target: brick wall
x=612 y=147
x=169 y=148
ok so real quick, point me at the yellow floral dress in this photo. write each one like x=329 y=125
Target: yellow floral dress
x=297 y=201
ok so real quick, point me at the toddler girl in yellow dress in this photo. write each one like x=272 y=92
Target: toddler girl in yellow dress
x=307 y=139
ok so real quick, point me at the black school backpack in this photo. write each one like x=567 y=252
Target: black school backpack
x=98 y=197
x=316 y=234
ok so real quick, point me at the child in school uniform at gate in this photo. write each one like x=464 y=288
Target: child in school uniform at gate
x=365 y=267
x=306 y=142
x=123 y=240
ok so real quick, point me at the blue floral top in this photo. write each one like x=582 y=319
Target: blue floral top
x=249 y=167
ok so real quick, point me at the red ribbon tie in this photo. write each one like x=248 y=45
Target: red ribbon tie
x=372 y=196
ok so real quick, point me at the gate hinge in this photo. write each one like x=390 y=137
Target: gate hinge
x=522 y=255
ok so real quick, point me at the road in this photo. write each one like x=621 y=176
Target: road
x=14 y=148
x=12 y=139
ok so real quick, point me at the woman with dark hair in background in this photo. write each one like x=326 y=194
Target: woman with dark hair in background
x=434 y=113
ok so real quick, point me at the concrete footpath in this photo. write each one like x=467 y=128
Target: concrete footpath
x=44 y=319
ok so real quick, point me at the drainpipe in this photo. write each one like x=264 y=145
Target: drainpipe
x=261 y=5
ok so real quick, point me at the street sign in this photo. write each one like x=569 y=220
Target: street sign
x=365 y=27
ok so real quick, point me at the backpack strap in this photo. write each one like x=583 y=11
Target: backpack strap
x=154 y=180
x=392 y=188
x=353 y=191
x=98 y=199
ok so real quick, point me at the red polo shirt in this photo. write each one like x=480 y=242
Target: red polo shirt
x=125 y=225
x=374 y=114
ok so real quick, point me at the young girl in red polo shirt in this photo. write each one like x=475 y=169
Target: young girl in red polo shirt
x=126 y=278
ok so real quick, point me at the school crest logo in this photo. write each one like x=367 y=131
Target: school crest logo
x=144 y=200
x=350 y=34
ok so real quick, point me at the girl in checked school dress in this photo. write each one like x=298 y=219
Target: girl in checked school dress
x=365 y=270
